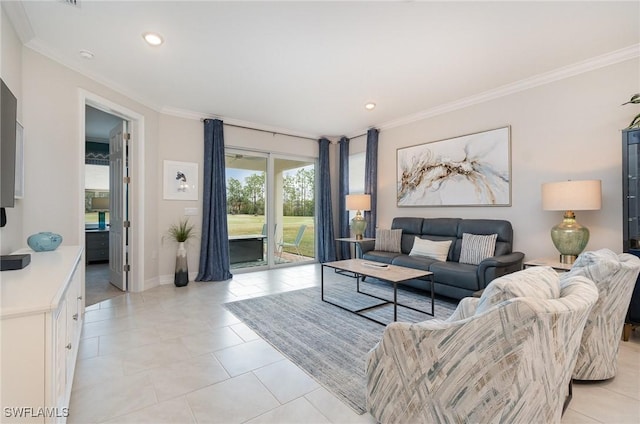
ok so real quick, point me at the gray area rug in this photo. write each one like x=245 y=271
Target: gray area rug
x=330 y=344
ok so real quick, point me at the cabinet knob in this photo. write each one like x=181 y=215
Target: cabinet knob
x=75 y=317
x=79 y=297
x=68 y=346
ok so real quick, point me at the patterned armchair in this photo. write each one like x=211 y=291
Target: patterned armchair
x=615 y=276
x=506 y=357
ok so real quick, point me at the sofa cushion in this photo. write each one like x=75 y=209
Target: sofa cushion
x=438 y=250
x=540 y=282
x=380 y=256
x=454 y=274
x=388 y=240
x=416 y=262
x=476 y=248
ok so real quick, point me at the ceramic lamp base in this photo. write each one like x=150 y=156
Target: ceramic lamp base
x=358 y=225
x=570 y=238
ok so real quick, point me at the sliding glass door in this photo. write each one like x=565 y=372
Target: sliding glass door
x=270 y=209
x=294 y=202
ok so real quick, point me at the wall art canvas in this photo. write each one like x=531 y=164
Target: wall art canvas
x=470 y=170
x=180 y=180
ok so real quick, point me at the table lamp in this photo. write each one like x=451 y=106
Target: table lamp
x=358 y=202
x=569 y=237
x=101 y=205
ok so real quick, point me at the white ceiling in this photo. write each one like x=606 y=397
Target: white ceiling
x=309 y=67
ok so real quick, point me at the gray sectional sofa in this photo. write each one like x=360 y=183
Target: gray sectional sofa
x=451 y=278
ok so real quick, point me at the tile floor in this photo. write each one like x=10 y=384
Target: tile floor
x=97 y=285
x=175 y=355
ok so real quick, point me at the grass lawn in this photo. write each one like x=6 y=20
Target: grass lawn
x=92 y=218
x=250 y=224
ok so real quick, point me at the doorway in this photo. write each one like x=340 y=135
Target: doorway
x=105 y=210
x=135 y=251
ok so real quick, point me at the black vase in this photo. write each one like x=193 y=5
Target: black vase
x=181 y=277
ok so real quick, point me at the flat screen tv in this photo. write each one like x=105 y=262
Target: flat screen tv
x=8 y=115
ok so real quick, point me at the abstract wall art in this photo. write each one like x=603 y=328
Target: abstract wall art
x=469 y=170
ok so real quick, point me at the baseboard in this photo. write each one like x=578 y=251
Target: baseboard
x=168 y=278
x=151 y=283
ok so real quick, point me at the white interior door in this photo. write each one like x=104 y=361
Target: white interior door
x=117 y=206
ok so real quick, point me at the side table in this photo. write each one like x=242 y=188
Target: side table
x=356 y=242
x=553 y=263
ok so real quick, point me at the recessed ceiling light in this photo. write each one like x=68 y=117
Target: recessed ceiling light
x=152 y=38
x=86 y=54
x=370 y=106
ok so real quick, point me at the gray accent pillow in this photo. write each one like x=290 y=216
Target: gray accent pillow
x=476 y=248
x=388 y=240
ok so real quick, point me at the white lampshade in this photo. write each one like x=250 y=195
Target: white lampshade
x=583 y=195
x=358 y=202
x=100 y=203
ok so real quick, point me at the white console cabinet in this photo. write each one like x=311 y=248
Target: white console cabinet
x=40 y=324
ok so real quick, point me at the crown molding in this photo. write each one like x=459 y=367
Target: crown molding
x=131 y=94
x=608 y=59
x=19 y=19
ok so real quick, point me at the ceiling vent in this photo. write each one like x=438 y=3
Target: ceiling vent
x=75 y=3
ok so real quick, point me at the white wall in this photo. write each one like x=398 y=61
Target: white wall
x=54 y=157
x=11 y=71
x=181 y=139
x=569 y=129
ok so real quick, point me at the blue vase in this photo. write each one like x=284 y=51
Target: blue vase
x=44 y=242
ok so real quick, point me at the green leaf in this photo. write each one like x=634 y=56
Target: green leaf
x=635 y=122
x=181 y=231
x=634 y=99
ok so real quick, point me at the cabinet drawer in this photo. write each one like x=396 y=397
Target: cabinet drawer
x=97 y=240
x=98 y=254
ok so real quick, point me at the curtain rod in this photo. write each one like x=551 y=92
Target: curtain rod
x=356 y=136
x=261 y=130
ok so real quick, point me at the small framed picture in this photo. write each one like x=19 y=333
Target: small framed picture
x=180 y=180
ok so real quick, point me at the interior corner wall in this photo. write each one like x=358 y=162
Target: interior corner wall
x=182 y=139
x=11 y=72
x=568 y=129
x=53 y=173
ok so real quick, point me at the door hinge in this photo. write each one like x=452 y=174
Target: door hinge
x=126 y=136
x=126 y=180
x=126 y=224
x=127 y=268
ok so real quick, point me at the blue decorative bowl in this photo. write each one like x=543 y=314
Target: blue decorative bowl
x=44 y=242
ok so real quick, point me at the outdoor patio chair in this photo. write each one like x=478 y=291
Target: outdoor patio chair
x=295 y=244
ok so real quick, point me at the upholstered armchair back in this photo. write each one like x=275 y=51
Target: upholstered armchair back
x=615 y=276
x=511 y=362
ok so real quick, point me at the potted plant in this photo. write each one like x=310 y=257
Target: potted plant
x=181 y=233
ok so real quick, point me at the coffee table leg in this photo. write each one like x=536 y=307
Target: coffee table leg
x=322 y=283
x=433 y=311
x=395 y=302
